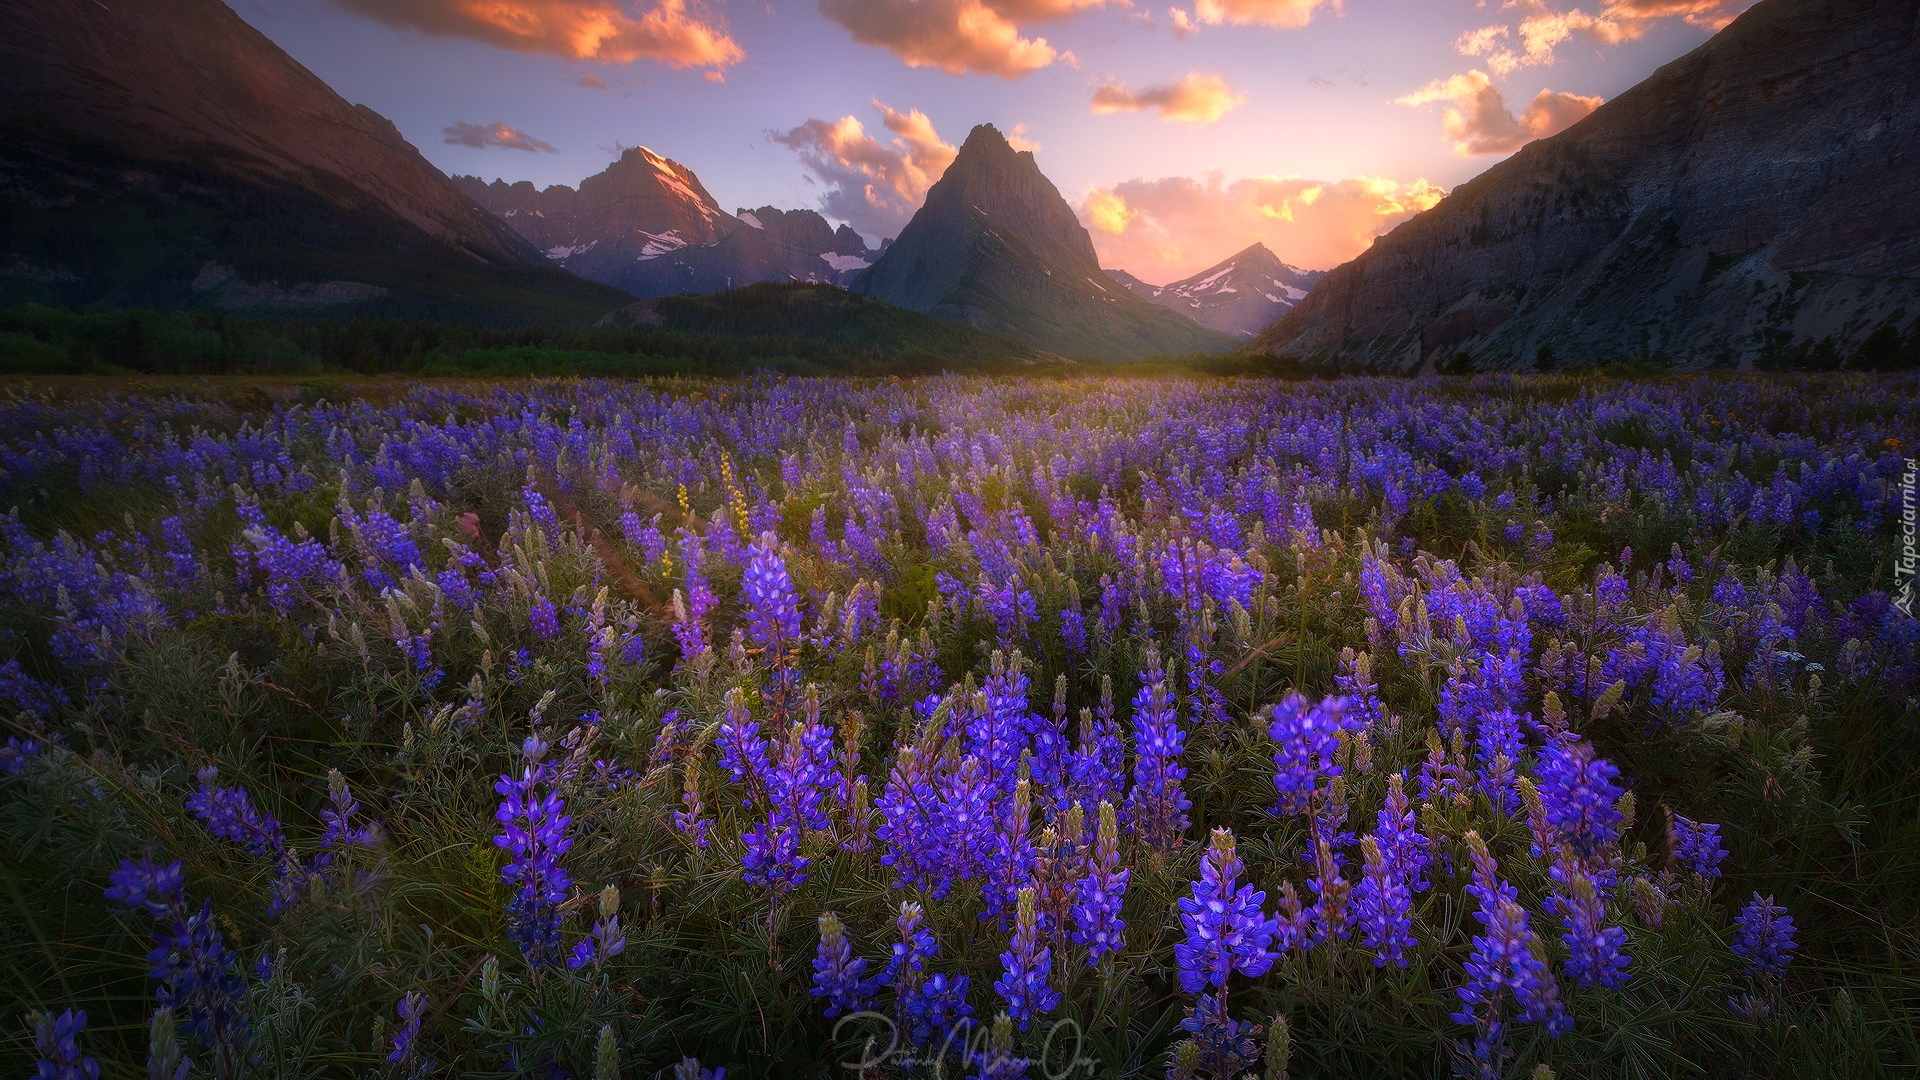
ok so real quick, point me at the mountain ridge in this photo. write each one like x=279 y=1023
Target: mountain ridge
x=646 y=225
x=1240 y=295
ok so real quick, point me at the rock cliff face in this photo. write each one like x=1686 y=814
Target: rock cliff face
x=647 y=226
x=1241 y=295
x=142 y=143
x=1752 y=202
x=997 y=247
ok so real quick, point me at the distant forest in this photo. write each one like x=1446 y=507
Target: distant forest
x=792 y=329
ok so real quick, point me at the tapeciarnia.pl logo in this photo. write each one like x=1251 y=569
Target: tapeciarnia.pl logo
x=1906 y=558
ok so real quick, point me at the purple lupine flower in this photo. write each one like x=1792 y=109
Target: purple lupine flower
x=1307 y=737
x=544 y=619
x=691 y=818
x=16 y=752
x=1505 y=962
x=790 y=791
x=1763 y=937
x=199 y=976
x=1383 y=907
x=605 y=941
x=229 y=814
x=533 y=822
x=1401 y=842
x=1226 y=929
x=1596 y=957
x=838 y=975
x=338 y=818
x=1026 y=964
x=1226 y=1046
x=1697 y=844
x=929 y=1006
x=773 y=605
x=1156 y=807
x=937 y=1010
x=406 y=1056
x=1497 y=752
x=995 y=1060
x=1096 y=770
x=1578 y=792
x=1098 y=894
x=1329 y=918
x=56 y=1039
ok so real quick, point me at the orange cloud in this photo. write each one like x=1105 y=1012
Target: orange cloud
x=871 y=185
x=1197 y=99
x=1284 y=14
x=958 y=36
x=481 y=136
x=1477 y=118
x=1166 y=229
x=669 y=32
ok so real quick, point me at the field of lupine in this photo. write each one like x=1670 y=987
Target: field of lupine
x=950 y=727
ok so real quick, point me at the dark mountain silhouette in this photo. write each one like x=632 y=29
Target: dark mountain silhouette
x=995 y=246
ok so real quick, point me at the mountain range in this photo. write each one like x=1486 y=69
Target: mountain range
x=1242 y=295
x=996 y=247
x=647 y=226
x=172 y=155
x=1752 y=202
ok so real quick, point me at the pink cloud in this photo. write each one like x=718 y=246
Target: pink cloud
x=1197 y=99
x=609 y=31
x=1478 y=121
x=872 y=185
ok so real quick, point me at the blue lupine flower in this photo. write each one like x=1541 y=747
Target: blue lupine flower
x=1226 y=1045
x=533 y=824
x=1098 y=894
x=199 y=976
x=1505 y=963
x=1027 y=965
x=1226 y=930
x=406 y=1055
x=1383 y=907
x=837 y=973
x=936 y=1010
x=229 y=814
x=773 y=605
x=1306 y=738
x=1697 y=844
x=1579 y=794
x=1595 y=948
x=1156 y=807
x=56 y=1039
x=995 y=1060
x=604 y=941
x=1763 y=937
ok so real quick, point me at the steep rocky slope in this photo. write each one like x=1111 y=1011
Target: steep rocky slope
x=1751 y=202
x=167 y=152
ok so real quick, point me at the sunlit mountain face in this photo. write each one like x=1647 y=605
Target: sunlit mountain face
x=1179 y=135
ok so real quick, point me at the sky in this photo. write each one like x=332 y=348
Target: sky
x=1180 y=133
